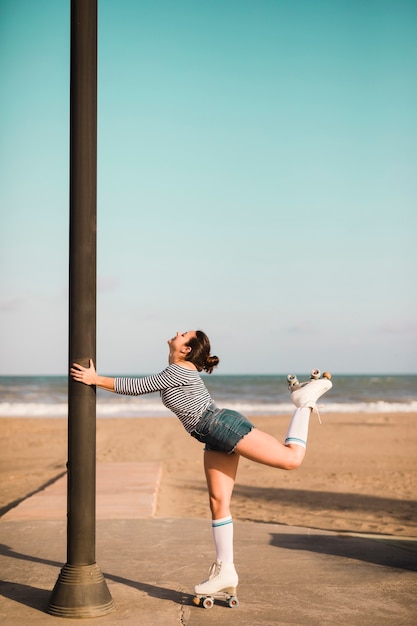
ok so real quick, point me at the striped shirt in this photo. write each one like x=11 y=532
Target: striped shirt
x=182 y=391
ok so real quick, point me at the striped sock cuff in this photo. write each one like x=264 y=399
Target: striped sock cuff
x=298 y=442
x=222 y=522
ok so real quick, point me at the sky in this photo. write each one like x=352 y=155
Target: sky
x=256 y=179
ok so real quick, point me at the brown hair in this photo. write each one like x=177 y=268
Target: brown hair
x=200 y=353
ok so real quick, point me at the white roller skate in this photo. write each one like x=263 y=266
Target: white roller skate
x=220 y=585
x=306 y=394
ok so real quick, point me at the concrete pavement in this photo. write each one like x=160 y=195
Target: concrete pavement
x=288 y=575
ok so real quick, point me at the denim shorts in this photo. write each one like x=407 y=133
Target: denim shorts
x=221 y=429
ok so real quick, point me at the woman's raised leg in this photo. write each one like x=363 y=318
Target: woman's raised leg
x=263 y=448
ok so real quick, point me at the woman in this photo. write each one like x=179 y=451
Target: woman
x=227 y=434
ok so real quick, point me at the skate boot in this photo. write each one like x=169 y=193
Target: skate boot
x=221 y=584
x=306 y=394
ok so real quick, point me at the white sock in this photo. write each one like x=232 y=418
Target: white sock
x=298 y=428
x=223 y=539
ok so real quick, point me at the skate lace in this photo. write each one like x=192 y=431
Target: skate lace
x=315 y=409
x=213 y=572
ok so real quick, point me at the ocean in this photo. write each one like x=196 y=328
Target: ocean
x=46 y=396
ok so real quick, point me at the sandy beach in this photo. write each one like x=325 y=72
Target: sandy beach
x=359 y=474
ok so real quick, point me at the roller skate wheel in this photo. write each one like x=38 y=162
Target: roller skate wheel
x=327 y=375
x=292 y=382
x=315 y=374
x=233 y=602
x=208 y=603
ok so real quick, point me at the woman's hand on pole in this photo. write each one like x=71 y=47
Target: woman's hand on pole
x=89 y=376
x=86 y=375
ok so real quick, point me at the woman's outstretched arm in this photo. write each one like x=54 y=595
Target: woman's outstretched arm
x=89 y=376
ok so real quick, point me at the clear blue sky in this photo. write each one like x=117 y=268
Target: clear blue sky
x=257 y=167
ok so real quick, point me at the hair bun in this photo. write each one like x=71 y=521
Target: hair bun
x=211 y=363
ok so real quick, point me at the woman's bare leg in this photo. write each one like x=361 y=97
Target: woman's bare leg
x=262 y=448
x=220 y=469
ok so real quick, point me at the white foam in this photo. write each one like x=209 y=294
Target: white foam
x=33 y=409
x=370 y=407
x=329 y=407
x=141 y=408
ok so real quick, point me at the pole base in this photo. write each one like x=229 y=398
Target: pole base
x=80 y=591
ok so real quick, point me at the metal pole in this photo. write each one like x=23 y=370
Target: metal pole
x=81 y=590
